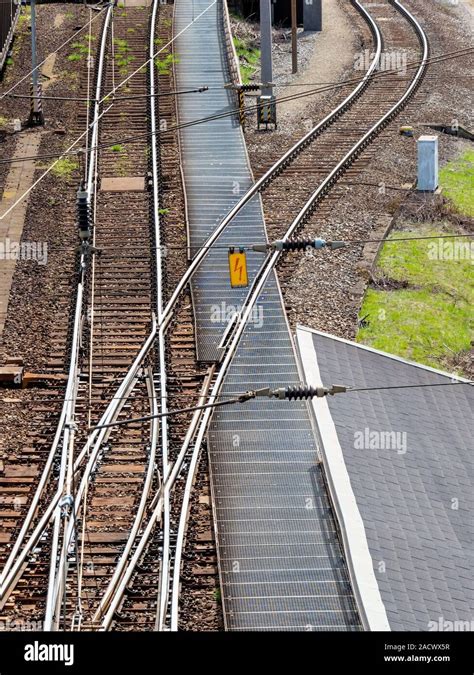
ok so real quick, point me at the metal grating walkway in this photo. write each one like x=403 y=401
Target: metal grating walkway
x=215 y=167
x=281 y=563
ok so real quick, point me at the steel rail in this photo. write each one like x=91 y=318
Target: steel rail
x=274 y=171
x=156 y=508
x=271 y=260
x=119 y=568
x=311 y=135
x=6 y=577
x=167 y=314
x=56 y=578
x=159 y=292
x=161 y=337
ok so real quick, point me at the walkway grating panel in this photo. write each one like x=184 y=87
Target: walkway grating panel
x=280 y=559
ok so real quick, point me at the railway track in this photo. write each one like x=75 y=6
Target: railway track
x=110 y=479
x=357 y=121
x=240 y=324
x=101 y=556
x=21 y=485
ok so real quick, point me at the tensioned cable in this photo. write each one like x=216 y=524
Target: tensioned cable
x=250 y=395
x=202 y=120
x=248 y=247
x=72 y=37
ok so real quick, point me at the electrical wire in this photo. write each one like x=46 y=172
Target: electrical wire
x=198 y=90
x=248 y=247
x=410 y=386
x=203 y=120
x=72 y=37
x=251 y=395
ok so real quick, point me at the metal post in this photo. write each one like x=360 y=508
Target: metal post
x=266 y=45
x=36 y=115
x=294 y=37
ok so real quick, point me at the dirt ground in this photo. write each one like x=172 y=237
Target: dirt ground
x=332 y=53
x=323 y=292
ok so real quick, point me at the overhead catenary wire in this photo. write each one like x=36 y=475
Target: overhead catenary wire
x=203 y=120
x=248 y=247
x=197 y=90
x=251 y=395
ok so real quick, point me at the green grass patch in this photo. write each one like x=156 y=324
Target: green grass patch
x=164 y=63
x=457 y=179
x=80 y=48
x=117 y=148
x=432 y=319
x=249 y=58
x=24 y=18
x=122 y=57
x=64 y=167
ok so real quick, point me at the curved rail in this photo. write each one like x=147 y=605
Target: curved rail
x=272 y=259
x=121 y=564
x=56 y=577
x=12 y=571
x=165 y=592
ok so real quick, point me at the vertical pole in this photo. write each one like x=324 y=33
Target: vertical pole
x=36 y=116
x=294 y=36
x=266 y=45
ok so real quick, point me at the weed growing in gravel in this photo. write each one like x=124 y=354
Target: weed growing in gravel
x=64 y=167
x=122 y=57
x=80 y=48
x=164 y=63
x=249 y=58
x=24 y=17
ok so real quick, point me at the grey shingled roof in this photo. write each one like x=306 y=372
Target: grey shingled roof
x=420 y=544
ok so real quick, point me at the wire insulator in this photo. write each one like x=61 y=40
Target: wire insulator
x=292 y=393
x=298 y=244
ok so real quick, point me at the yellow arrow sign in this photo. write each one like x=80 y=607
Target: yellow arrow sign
x=238 y=269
